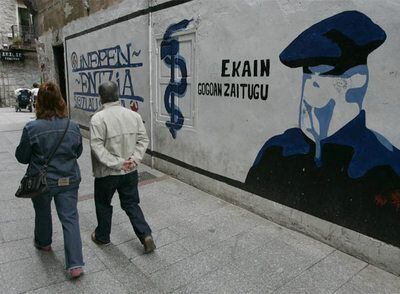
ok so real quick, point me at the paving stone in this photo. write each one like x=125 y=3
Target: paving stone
x=241 y=244
x=17 y=230
x=9 y=186
x=349 y=289
x=133 y=279
x=209 y=230
x=92 y=262
x=305 y=243
x=177 y=205
x=227 y=280
x=1 y=237
x=372 y=280
x=119 y=217
x=183 y=272
x=87 y=221
x=8 y=213
x=131 y=249
x=161 y=257
x=147 y=291
x=161 y=220
x=148 y=169
x=64 y=287
x=100 y=282
x=86 y=206
x=274 y=264
x=134 y=248
x=28 y=274
x=191 y=245
x=182 y=190
x=122 y=233
x=165 y=237
x=326 y=276
x=12 y=251
x=111 y=256
x=56 y=245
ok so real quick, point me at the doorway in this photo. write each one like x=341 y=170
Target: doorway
x=58 y=52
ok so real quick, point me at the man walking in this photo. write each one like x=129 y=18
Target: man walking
x=118 y=141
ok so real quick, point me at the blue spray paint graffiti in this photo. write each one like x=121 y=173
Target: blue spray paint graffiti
x=171 y=57
x=92 y=68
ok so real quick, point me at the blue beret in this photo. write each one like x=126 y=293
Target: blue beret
x=342 y=41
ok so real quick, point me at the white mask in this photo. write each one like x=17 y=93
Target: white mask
x=329 y=102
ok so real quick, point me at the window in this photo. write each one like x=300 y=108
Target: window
x=186 y=102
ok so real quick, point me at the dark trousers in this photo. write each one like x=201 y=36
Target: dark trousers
x=127 y=187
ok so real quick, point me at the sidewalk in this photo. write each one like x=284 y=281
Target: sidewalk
x=205 y=245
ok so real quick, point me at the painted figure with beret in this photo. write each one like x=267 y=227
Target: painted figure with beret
x=332 y=165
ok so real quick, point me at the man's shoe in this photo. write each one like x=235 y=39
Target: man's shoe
x=75 y=272
x=42 y=248
x=148 y=244
x=97 y=241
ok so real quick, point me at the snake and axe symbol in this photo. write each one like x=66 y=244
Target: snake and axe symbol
x=171 y=57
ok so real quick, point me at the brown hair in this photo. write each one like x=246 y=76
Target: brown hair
x=49 y=102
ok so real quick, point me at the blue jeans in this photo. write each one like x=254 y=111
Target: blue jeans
x=66 y=199
x=127 y=187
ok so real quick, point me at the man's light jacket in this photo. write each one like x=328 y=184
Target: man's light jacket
x=116 y=134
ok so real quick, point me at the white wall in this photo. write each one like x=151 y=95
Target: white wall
x=222 y=135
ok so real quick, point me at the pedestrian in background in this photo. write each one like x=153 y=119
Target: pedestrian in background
x=118 y=141
x=39 y=139
x=34 y=92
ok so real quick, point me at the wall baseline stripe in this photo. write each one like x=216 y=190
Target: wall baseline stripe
x=198 y=170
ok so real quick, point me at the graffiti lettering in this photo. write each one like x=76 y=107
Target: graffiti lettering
x=90 y=81
x=108 y=64
x=209 y=89
x=112 y=57
x=90 y=104
x=246 y=68
x=242 y=91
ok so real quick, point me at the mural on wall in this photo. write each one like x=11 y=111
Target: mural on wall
x=91 y=68
x=176 y=88
x=332 y=165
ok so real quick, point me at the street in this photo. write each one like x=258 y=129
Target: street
x=204 y=244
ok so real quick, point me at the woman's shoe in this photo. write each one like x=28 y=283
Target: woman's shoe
x=75 y=272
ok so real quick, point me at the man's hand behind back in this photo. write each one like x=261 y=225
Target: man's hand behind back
x=129 y=165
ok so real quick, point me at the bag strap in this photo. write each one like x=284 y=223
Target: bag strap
x=58 y=145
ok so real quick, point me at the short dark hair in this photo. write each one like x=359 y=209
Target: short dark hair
x=50 y=103
x=35 y=85
x=108 y=92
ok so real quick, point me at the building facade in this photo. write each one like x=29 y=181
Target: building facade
x=286 y=107
x=52 y=16
x=18 y=61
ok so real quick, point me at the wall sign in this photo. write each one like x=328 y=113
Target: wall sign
x=11 y=55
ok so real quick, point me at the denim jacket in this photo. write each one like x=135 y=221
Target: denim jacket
x=40 y=137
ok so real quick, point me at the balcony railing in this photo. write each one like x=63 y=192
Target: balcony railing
x=23 y=36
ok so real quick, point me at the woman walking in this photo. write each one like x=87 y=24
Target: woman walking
x=39 y=139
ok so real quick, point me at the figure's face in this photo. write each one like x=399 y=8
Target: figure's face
x=330 y=102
